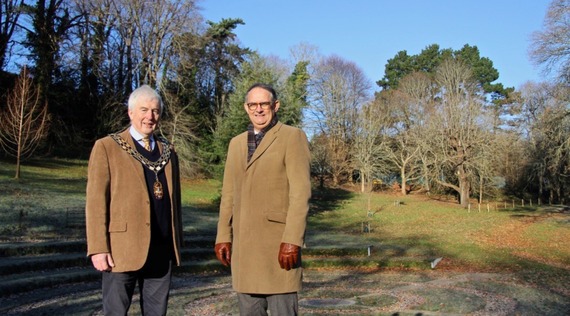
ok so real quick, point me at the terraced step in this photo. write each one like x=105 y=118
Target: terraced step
x=17 y=283
x=27 y=266
x=40 y=248
x=23 y=264
x=69 y=246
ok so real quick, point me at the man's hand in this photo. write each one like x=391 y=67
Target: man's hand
x=103 y=261
x=289 y=256
x=224 y=252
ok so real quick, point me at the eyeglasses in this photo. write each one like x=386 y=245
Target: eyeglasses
x=264 y=105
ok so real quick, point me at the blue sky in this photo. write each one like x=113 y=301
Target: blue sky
x=369 y=32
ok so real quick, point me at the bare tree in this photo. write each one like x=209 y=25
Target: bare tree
x=547 y=129
x=25 y=121
x=535 y=99
x=319 y=158
x=551 y=47
x=407 y=106
x=177 y=125
x=459 y=133
x=140 y=38
x=338 y=89
x=366 y=151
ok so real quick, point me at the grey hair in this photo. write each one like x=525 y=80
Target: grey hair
x=265 y=87
x=147 y=93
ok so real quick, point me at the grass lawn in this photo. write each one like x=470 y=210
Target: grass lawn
x=401 y=232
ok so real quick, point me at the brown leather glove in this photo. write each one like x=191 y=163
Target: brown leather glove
x=289 y=256
x=224 y=252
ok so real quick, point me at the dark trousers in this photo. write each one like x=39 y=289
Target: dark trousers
x=154 y=285
x=285 y=304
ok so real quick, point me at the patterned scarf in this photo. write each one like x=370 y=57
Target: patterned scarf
x=253 y=140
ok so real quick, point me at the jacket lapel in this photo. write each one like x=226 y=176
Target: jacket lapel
x=167 y=168
x=135 y=164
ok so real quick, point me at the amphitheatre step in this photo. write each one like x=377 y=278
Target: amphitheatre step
x=39 y=248
x=18 y=283
x=68 y=246
x=50 y=270
x=33 y=280
x=27 y=266
x=23 y=264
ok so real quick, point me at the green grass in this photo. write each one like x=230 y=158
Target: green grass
x=36 y=205
x=406 y=232
x=422 y=228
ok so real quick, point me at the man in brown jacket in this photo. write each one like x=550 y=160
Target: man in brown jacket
x=264 y=206
x=133 y=217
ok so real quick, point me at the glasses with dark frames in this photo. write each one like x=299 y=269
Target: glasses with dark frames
x=252 y=106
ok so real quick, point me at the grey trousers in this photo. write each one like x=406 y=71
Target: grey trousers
x=154 y=286
x=285 y=304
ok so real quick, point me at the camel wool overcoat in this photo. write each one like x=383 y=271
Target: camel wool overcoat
x=264 y=203
x=117 y=209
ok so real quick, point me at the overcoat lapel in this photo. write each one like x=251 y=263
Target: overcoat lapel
x=268 y=139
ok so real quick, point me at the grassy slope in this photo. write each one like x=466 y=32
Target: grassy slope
x=415 y=229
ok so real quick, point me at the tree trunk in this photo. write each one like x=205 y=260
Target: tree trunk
x=404 y=180
x=540 y=187
x=17 y=175
x=480 y=190
x=464 y=188
x=335 y=179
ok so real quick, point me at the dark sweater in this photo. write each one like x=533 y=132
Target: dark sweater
x=161 y=228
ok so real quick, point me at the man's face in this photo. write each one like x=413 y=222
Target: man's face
x=260 y=114
x=145 y=116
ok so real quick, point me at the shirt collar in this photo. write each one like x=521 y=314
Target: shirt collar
x=138 y=136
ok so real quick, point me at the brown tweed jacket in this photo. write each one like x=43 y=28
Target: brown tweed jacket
x=118 y=206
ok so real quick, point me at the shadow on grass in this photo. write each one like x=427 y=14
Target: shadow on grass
x=327 y=200
x=535 y=213
x=55 y=163
x=200 y=219
x=54 y=177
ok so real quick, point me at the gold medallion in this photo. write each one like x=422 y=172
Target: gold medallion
x=157 y=188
